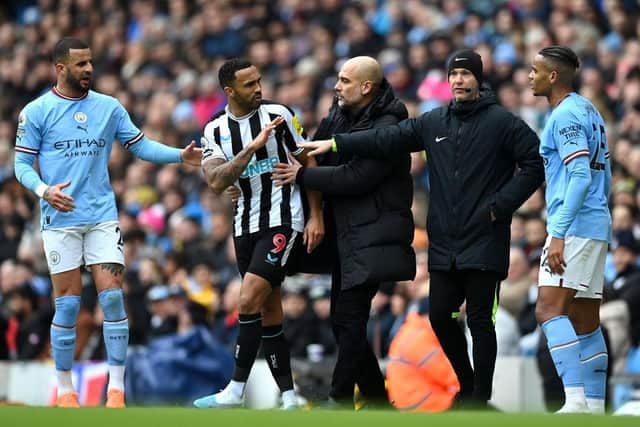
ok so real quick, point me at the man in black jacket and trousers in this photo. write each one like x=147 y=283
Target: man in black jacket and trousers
x=370 y=221
x=483 y=164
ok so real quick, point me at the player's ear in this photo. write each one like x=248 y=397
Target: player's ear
x=228 y=90
x=366 y=87
x=59 y=67
x=553 y=76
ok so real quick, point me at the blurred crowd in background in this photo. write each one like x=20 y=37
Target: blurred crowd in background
x=160 y=59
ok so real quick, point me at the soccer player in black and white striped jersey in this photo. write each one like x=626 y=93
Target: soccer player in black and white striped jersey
x=240 y=146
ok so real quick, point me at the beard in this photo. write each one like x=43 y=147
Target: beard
x=75 y=84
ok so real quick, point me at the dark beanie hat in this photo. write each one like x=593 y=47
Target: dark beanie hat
x=466 y=59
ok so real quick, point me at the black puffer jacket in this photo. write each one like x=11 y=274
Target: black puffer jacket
x=473 y=150
x=370 y=200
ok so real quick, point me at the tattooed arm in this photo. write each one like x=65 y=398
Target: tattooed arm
x=221 y=174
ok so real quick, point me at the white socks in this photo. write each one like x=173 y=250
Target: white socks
x=236 y=388
x=65 y=385
x=289 y=398
x=574 y=395
x=596 y=406
x=116 y=377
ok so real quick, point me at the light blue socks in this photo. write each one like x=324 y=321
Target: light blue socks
x=594 y=359
x=115 y=327
x=564 y=347
x=63 y=331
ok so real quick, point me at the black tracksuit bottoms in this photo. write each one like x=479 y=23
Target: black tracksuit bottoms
x=480 y=289
x=356 y=364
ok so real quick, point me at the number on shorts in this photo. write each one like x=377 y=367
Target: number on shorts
x=120 y=241
x=279 y=241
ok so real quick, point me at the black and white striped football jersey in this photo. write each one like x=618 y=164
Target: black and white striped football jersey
x=262 y=205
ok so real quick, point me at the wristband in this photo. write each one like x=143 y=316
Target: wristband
x=334 y=146
x=40 y=189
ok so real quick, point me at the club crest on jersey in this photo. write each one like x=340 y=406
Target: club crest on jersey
x=80 y=117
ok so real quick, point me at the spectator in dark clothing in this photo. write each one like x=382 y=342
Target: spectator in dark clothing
x=27 y=333
x=321 y=305
x=299 y=322
x=474 y=147
x=370 y=218
x=382 y=320
x=164 y=313
x=226 y=325
x=626 y=285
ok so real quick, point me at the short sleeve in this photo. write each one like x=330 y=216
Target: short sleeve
x=294 y=133
x=210 y=146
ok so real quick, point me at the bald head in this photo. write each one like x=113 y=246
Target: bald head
x=365 y=68
x=358 y=81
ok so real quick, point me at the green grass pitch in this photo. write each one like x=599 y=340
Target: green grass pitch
x=184 y=417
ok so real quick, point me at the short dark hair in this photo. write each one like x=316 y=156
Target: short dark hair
x=61 y=49
x=561 y=55
x=227 y=73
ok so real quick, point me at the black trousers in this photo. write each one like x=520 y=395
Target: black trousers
x=356 y=364
x=448 y=290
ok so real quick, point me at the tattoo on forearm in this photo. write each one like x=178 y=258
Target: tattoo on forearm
x=221 y=174
x=113 y=268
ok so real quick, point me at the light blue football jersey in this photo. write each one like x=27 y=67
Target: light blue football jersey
x=71 y=139
x=575 y=128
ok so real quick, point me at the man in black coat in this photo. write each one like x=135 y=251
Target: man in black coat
x=370 y=214
x=474 y=148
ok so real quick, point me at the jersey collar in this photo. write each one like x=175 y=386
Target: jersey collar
x=59 y=94
x=246 y=116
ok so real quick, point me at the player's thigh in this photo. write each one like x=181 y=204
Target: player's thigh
x=591 y=269
x=585 y=309
x=556 y=291
x=67 y=283
x=270 y=254
x=63 y=248
x=104 y=253
x=243 y=246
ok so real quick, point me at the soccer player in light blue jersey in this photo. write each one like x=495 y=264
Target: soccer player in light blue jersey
x=70 y=131
x=578 y=173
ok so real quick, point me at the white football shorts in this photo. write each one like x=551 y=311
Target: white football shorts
x=71 y=247
x=584 y=272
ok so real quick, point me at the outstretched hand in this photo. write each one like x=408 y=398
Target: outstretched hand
x=191 y=154
x=315 y=148
x=57 y=199
x=263 y=136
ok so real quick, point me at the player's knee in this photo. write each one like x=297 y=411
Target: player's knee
x=546 y=310
x=67 y=309
x=112 y=303
x=249 y=303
